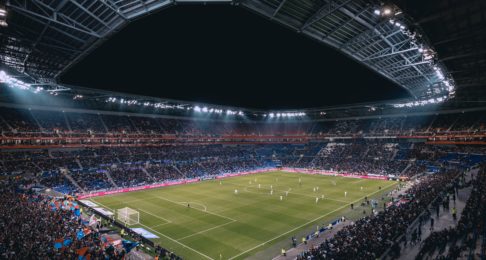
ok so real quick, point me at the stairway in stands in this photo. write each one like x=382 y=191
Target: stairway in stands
x=68 y=176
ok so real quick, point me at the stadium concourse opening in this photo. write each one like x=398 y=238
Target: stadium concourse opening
x=286 y=129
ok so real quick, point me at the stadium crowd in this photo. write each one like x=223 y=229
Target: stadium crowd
x=26 y=122
x=371 y=236
x=88 y=169
x=93 y=167
x=453 y=242
x=40 y=226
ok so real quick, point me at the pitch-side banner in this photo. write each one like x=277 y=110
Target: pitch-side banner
x=165 y=184
x=334 y=173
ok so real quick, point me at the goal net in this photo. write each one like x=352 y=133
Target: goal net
x=128 y=216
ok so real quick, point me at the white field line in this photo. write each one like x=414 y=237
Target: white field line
x=152 y=214
x=205 y=211
x=305 y=224
x=206 y=230
x=159 y=225
x=102 y=204
x=155 y=231
x=195 y=203
x=362 y=180
x=175 y=241
x=124 y=202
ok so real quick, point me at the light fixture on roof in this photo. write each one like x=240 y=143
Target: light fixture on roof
x=387 y=11
x=3 y=17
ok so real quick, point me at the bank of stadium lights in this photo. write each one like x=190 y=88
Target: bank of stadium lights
x=3 y=17
x=394 y=16
x=15 y=83
x=387 y=11
x=210 y=110
x=232 y=112
x=290 y=114
x=421 y=102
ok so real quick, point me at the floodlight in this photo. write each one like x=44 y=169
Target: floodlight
x=377 y=12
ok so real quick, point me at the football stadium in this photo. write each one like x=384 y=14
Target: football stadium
x=243 y=129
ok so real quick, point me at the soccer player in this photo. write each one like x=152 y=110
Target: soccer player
x=281 y=197
x=345 y=194
x=259 y=186
x=236 y=191
x=271 y=192
x=317 y=199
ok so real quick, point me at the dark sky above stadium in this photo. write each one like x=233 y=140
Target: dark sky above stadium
x=227 y=55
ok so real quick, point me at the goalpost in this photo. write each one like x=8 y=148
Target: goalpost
x=128 y=216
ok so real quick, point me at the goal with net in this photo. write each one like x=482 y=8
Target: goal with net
x=128 y=216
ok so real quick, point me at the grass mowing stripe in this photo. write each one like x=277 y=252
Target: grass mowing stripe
x=206 y=230
x=260 y=218
x=289 y=191
x=150 y=213
x=159 y=225
x=205 y=211
x=305 y=224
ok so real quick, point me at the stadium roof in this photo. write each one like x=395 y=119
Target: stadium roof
x=44 y=38
x=457 y=30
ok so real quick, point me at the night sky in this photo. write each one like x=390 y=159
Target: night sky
x=227 y=55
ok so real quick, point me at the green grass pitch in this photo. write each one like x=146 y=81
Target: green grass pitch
x=220 y=224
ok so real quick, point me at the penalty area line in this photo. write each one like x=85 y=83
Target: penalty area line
x=152 y=214
x=206 y=230
x=171 y=239
x=204 y=211
x=175 y=241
